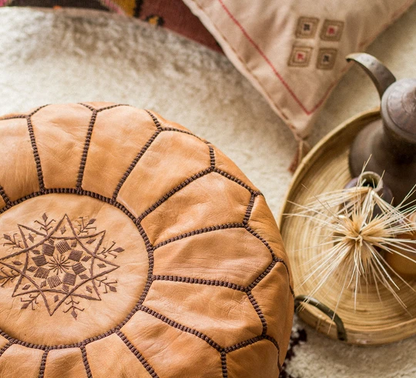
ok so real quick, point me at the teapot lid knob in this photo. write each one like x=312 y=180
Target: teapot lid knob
x=401 y=106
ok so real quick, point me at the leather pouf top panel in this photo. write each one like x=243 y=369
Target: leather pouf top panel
x=132 y=248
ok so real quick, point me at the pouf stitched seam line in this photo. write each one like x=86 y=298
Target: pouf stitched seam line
x=154 y=118
x=85 y=361
x=5 y=197
x=236 y=180
x=211 y=155
x=88 y=138
x=103 y=108
x=198 y=232
x=200 y=281
x=165 y=197
x=7 y=346
x=140 y=155
x=258 y=310
x=16 y=116
x=139 y=306
x=183 y=132
x=137 y=354
x=251 y=342
x=85 y=150
x=224 y=365
x=249 y=208
x=35 y=149
x=43 y=364
x=254 y=233
x=133 y=164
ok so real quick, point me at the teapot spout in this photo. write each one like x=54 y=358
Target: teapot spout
x=379 y=74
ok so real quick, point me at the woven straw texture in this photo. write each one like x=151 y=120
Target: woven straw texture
x=374 y=320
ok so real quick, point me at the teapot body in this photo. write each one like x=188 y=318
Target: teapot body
x=377 y=151
x=388 y=146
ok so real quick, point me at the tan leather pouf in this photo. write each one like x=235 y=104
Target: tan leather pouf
x=132 y=248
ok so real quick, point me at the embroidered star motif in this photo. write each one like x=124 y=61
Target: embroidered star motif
x=58 y=263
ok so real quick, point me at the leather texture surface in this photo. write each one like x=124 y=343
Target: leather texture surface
x=133 y=248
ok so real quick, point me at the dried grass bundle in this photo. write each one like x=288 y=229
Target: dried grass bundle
x=357 y=229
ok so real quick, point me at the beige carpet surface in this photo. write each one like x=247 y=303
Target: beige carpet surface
x=73 y=56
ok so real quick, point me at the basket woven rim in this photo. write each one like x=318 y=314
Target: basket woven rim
x=374 y=322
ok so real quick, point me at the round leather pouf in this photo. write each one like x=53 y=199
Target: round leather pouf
x=132 y=248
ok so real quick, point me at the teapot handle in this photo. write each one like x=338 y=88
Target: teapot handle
x=379 y=74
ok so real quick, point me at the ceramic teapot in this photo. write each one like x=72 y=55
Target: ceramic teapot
x=388 y=144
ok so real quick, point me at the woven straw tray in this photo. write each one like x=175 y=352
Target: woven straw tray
x=374 y=321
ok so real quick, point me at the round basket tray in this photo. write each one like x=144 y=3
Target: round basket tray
x=375 y=320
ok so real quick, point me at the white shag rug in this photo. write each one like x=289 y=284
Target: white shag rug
x=73 y=56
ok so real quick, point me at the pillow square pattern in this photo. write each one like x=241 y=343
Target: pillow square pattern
x=326 y=59
x=307 y=27
x=127 y=242
x=293 y=52
x=300 y=56
x=332 y=30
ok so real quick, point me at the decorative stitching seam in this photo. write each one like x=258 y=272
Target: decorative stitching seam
x=43 y=364
x=19 y=116
x=85 y=150
x=200 y=281
x=251 y=231
x=7 y=346
x=87 y=106
x=263 y=274
x=101 y=109
x=144 y=236
x=254 y=233
x=37 y=109
x=212 y=156
x=253 y=341
x=150 y=257
x=271 y=339
x=35 y=152
x=111 y=107
x=236 y=180
x=5 y=197
x=180 y=131
x=85 y=361
x=224 y=365
x=243 y=344
x=133 y=164
x=200 y=231
x=70 y=191
x=173 y=191
x=258 y=311
x=126 y=320
x=249 y=209
x=154 y=118
x=181 y=327
x=137 y=354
